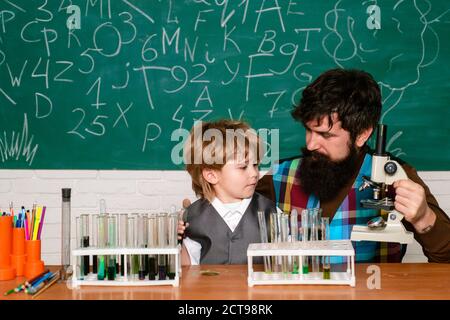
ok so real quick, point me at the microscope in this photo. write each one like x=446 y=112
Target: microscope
x=384 y=173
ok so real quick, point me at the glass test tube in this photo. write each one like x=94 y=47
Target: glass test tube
x=294 y=238
x=264 y=239
x=305 y=238
x=101 y=243
x=142 y=243
x=79 y=269
x=112 y=243
x=94 y=238
x=276 y=238
x=122 y=240
x=116 y=215
x=172 y=224
x=65 y=233
x=325 y=227
x=132 y=243
x=314 y=236
x=152 y=242
x=85 y=241
x=162 y=243
x=284 y=223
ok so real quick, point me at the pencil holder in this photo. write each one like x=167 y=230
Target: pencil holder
x=33 y=265
x=18 y=256
x=7 y=271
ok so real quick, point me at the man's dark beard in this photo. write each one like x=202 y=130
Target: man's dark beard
x=323 y=177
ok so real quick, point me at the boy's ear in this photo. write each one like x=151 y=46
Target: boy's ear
x=363 y=137
x=210 y=175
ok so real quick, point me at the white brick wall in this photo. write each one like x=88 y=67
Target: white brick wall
x=127 y=192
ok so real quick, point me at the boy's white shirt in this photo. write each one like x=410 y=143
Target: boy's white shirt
x=231 y=213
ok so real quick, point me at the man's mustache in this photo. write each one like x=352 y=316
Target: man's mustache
x=308 y=154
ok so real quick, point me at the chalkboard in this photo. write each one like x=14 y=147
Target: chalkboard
x=103 y=84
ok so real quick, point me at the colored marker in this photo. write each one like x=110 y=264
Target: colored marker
x=28 y=283
x=40 y=283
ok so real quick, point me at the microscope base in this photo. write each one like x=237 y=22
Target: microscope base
x=388 y=234
x=393 y=232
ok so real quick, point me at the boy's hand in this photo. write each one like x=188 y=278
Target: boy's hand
x=181 y=228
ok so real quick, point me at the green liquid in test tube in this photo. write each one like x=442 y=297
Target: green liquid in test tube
x=305 y=238
x=101 y=243
x=294 y=238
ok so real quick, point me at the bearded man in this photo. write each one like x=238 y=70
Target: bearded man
x=340 y=111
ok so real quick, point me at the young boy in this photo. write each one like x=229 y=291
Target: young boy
x=222 y=158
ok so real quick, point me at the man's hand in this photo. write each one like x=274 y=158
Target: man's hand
x=410 y=200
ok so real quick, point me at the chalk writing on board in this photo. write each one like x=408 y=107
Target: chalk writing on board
x=116 y=78
x=18 y=144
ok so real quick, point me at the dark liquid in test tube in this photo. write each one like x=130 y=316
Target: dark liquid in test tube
x=86 y=258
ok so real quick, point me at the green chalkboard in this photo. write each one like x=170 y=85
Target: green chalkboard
x=103 y=84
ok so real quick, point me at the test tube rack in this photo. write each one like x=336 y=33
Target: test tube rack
x=125 y=280
x=341 y=248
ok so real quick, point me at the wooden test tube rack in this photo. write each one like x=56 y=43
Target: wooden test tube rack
x=91 y=278
x=341 y=248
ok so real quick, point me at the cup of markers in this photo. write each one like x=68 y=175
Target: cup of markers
x=33 y=228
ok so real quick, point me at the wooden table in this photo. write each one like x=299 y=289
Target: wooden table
x=398 y=281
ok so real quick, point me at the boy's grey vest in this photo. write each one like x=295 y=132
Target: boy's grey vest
x=219 y=244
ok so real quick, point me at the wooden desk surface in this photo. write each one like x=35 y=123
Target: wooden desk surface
x=398 y=281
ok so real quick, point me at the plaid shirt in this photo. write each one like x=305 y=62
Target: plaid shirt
x=289 y=196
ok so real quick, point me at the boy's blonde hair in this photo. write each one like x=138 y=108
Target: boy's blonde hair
x=211 y=144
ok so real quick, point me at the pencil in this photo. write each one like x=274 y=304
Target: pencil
x=40 y=283
x=48 y=285
x=29 y=283
x=41 y=223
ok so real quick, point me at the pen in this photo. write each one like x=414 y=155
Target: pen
x=48 y=285
x=25 y=284
x=39 y=283
x=28 y=283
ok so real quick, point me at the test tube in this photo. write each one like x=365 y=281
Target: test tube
x=325 y=227
x=294 y=238
x=142 y=243
x=314 y=236
x=116 y=215
x=274 y=239
x=152 y=242
x=284 y=223
x=79 y=269
x=264 y=239
x=65 y=232
x=172 y=224
x=101 y=243
x=162 y=243
x=132 y=243
x=305 y=238
x=85 y=241
x=112 y=243
x=122 y=239
x=94 y=238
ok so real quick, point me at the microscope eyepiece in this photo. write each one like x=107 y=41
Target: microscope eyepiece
x=381 y=140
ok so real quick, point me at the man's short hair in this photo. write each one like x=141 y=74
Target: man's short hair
x=229 y=140
x=353 y=94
